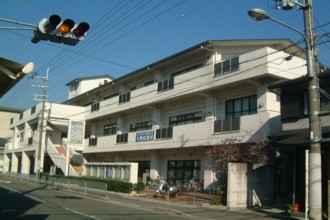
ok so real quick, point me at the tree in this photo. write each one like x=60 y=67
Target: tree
x=255 y=149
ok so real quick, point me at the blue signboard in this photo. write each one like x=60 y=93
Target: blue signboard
x=144 y=136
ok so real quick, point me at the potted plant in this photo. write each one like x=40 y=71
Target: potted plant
x=289 y=208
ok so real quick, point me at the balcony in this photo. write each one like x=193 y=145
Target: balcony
x=200 y=134
x=205 y=78
x=204 y=133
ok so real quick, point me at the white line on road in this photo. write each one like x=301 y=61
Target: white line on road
x=36 y=199
x=82 y=214
x=10 y=189
x=5 y=181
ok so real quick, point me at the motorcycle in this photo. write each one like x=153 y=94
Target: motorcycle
x=164 y=188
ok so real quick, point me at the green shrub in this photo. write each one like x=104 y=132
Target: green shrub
x=112 y=185
x=139 y=186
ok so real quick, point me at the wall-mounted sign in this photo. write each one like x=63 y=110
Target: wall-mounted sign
x=145 y=136
x=76 y=132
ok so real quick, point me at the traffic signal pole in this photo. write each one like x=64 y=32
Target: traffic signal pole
x=29 y=26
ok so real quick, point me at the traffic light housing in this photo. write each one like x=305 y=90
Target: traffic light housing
x=54 y=30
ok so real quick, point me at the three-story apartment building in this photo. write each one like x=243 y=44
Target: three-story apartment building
x=165 y=115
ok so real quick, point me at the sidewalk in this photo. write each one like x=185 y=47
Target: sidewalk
x=214 y=202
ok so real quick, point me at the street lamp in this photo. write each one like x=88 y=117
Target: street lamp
x=315 y=169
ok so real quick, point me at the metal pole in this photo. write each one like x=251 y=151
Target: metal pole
x=19 y=23
x=315 y=167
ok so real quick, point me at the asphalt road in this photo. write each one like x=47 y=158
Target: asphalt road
x=20 y=200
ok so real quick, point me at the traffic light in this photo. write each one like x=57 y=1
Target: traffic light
x=55 y=30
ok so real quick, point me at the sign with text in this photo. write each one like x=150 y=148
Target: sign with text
x=145 y=136
x=76 y=129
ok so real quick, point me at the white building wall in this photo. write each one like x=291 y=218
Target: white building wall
x=198 y=90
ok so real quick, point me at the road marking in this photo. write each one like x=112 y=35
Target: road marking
x=82 y=214
x=5 y=181
x=36 y=199
x=10 y=189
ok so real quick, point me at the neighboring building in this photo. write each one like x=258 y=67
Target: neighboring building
x=165 y=115
x=84 y=84
x=5 y=132
x=293 y=139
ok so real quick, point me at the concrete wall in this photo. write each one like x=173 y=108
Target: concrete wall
x=237 y=186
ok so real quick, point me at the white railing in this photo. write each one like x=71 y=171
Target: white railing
x=58 y=158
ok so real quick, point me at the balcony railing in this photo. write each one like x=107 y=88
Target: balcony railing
x=164 y=133
x=227 y=124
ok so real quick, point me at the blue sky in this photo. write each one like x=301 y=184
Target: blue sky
x=126 y=35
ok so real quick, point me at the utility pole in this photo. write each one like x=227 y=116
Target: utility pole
x=315 y=166
x=314 y=179
x=42 y=123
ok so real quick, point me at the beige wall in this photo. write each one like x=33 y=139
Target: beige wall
x=5 y=117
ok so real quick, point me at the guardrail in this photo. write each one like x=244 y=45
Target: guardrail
x=84 y=186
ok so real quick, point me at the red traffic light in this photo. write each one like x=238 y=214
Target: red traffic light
x=81 y=29
x=66 y=26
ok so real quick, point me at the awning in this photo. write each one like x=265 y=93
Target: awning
x=11 y=73
x=295 y=138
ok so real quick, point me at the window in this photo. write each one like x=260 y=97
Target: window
x=166 y=85
x=181 y=170
x=164 y=133
x=122 y=138
x=109 y=129
x=92 y=142
x=186 y=119
x=11 y=120
x=140 y=126
x=21 y=137
x=241 y=106
x=21 y=115
x=33 y=110
x=125 y=97
x=95 y=107
x=226 y=66
x=294 y=104
x=30 y=141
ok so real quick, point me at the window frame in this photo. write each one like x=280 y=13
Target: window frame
x=140 y=126
x=109 y=129
x=188 y=118
x=234 y=107
x=226 y=66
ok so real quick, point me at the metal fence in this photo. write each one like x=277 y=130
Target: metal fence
x=80 y=185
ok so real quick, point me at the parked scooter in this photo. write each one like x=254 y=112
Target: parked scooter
x=164 y=188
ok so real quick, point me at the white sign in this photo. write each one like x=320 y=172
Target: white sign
x=76 y=131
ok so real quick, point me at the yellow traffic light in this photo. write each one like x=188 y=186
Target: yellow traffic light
x=66 y=26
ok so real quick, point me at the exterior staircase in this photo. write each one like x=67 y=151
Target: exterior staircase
x=58 y=155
